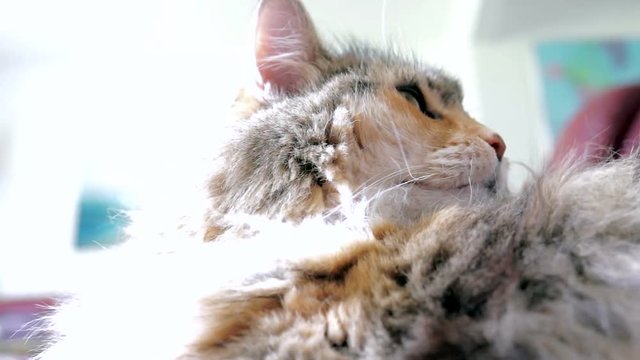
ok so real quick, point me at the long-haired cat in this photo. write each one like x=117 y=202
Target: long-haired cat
x=446 y=265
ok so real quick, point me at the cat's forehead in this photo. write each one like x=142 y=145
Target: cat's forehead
x=388 y=68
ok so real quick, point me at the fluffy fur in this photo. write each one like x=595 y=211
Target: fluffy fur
x=446 y=265
x=553 y=273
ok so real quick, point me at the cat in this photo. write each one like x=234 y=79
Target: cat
x=447 y=264
x=326 y=129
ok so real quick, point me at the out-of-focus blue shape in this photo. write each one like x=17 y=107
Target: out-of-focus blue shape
x=101 y=220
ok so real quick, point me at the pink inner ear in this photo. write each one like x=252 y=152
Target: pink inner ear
x=286 y=44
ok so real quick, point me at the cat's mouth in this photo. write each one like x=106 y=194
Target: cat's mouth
x=425 y=185
x=490 y=181
x=490 y=185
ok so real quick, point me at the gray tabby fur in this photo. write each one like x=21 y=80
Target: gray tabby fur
x=552 y=273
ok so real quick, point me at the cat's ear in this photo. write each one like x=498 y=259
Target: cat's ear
x=286 y=45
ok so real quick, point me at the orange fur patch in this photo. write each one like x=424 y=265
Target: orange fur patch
x=233 y=318
x=408 y=120
x=384 y=229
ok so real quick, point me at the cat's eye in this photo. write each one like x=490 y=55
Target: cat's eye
x=414 y=95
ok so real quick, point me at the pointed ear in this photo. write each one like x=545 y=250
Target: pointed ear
x=286 y=45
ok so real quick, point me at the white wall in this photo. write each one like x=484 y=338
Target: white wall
x=113 y=91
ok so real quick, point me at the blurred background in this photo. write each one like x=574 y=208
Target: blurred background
x=101 y=102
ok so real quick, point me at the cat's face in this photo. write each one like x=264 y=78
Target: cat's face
x=368 y=124
x=410 y=122
x=417 y=147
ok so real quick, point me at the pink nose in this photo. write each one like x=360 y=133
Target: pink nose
x=495 y=141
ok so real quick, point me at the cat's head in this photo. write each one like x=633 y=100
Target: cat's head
x=328 y=124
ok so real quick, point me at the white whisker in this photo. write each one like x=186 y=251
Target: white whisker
x=401 y=147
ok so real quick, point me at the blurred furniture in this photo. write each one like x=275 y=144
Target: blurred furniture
x=18 y=323
x=608 y=124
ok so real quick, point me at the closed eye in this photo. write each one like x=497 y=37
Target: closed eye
x=414 y=95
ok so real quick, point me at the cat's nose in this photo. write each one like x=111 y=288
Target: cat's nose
x=495 y=141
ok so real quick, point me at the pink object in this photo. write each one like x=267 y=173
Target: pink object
x=18 y=318
x=608 y=122
x=632 y=136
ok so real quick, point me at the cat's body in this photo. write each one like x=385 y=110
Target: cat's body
x=444 y=265
x=553 y=273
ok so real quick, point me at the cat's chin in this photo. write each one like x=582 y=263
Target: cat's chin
x=413 y=199
x=489 y=185
x=494 y=184
x=408 y=204
x=428 y=186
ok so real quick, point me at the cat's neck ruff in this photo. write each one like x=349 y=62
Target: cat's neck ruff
x=407 y=202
